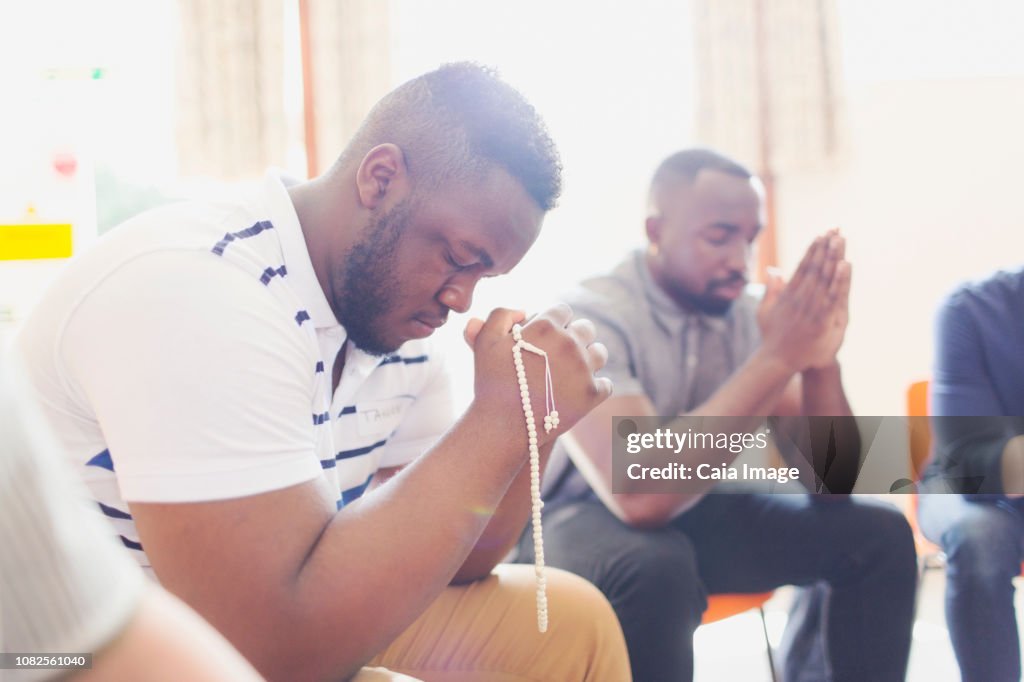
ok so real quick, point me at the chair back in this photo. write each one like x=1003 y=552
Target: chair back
x=722 y=606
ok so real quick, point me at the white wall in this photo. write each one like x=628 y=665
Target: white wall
x=928 y=194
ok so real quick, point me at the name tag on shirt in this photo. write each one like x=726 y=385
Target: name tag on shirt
x=380 y=418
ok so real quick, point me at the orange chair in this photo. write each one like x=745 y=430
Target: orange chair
x=920 y=430
x=920 y=434
x=722 y=606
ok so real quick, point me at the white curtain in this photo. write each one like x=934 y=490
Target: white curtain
x=351 y=50
x=769 y=81
x=231 y=118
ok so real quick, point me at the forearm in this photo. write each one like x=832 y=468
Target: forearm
x=831 y=446
x=753 y=390
x=738 y=406
x=403 y=543
x=505 y=526
x=823 y=393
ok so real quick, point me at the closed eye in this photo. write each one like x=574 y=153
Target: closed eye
x=719 y=238
x=719 y=234
x=456 y=265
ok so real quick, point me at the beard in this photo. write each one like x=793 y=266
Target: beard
x=711 y=305
x=706 y=302
x=368 y=288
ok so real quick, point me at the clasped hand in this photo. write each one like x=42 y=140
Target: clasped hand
x=804 y=321
x=573 y=354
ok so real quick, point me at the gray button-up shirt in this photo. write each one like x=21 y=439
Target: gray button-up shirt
x=677 y=358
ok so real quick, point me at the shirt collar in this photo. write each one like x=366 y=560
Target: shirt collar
x=296 y=253
x=358 y=363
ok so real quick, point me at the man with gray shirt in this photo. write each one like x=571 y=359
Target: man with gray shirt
x=685 y=339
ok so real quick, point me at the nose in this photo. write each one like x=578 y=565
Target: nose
x=457 y=294
x=738 y=258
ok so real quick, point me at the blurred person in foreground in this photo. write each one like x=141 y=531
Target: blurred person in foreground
x=66 y=586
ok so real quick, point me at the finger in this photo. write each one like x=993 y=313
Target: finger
x=838 y=297
x=815 y=292
x=806 y=266
x=824 y=297
x=822 y=302
x=774 y=284
x=583 y=331
x=471 y=331
x=773 y=287
x=559 y=315
x=840 y=281
x=835 y=248
x=838 y=251
x=840 y=241
x=499 y=323
x=844 y=277
x=832 y=258
x=805 y=281
x=597 y=356
x=822 y=256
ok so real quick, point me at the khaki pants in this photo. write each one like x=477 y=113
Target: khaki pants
x=487 y=632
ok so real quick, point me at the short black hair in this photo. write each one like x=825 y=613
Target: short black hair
x=688 y=163
x=454 y=123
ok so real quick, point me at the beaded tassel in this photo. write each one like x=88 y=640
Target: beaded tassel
x=550 y=423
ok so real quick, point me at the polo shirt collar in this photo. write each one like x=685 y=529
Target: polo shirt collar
x=296 y=254
x=358 y=363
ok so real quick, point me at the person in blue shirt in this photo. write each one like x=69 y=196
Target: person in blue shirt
x=979 y=464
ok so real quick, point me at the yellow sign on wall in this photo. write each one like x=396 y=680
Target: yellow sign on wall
x=33 y=241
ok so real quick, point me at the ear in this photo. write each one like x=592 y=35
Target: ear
x=653 y=227
x=382 y=172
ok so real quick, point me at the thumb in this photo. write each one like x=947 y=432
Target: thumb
x=773 y=287
x=471 y=331
x=499 y=324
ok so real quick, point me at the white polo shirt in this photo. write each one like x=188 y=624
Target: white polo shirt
x=187 y=356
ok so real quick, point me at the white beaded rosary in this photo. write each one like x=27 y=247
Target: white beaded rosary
x=550 y=423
